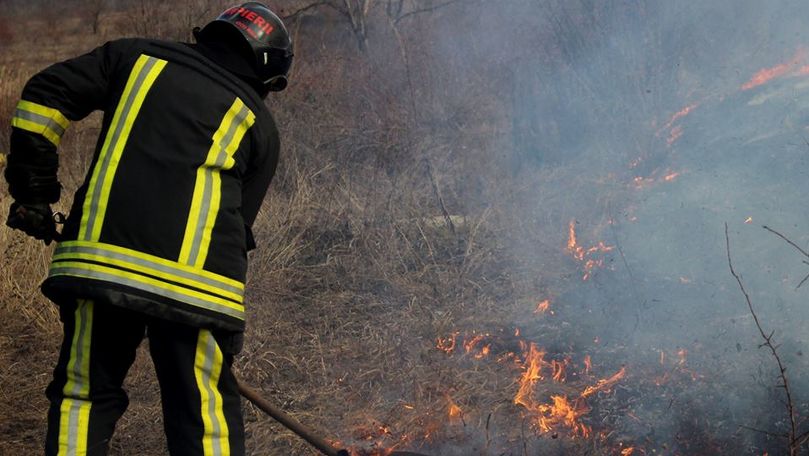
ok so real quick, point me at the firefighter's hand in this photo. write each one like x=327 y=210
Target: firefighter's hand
x=35 y=220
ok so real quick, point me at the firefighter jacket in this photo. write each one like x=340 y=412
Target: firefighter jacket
x=161 y=223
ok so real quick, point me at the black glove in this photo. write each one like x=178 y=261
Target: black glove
x=35 y=219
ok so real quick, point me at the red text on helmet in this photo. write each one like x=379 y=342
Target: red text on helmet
x=251 y=16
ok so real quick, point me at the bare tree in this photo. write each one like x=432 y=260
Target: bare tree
x=357 y=13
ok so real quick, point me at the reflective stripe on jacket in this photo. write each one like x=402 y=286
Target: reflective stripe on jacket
x=162 y=221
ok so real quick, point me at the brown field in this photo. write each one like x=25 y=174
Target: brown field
x=406 y=216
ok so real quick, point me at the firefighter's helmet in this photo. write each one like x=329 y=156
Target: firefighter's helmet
x=267 y=36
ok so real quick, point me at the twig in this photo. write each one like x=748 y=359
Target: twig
x=632 y=280
x=793 y=441
x=793 y=245
x=803 y=281
x=488 y=439
x=761 y=431
x=786 y=239
x=308 y=7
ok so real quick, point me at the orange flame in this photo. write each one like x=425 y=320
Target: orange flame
x=588 y=364
x=682 y=354
x=671 y=176
x=767 y=74
x=680 y=114
x=604 y=384
x=562 y=412
x=484 y=352
x=454 y=412
x=628 y=451
x=534 y=359
x=471 y=346
x=559 y=369
x=543 y=306
x=447 y=344
x=674 y=135
x=581 y=254
x=572 y=245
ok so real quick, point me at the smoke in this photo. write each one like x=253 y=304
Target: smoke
x=595 y=87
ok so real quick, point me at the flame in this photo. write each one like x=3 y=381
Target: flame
x=546 y=409
x=572 y=245
x=534 y=359
x=679 y=115
x=447 y=344
x=562 y=412
x=484 y=352
x=604 y=384
x=671 y=176
x=682 y=354
x=471 y=346
x=559 y=369
x=585 y=255
x=674 y=135
x=767 y=74
x=454 y=412
x=643 y=182
x=628 y=451
x=543 y=306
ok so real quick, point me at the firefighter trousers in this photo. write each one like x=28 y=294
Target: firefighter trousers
x=201 y=403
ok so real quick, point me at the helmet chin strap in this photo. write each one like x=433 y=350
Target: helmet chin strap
x=276 y=83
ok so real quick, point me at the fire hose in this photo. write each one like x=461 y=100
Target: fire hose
x=293 y=425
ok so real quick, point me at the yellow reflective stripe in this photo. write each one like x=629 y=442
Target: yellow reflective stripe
x=50 y=113
x=135 y=280
x=207 y=195
x=74 y=412
x=39 y=119
x=207 y=369
x=143 y=270
x=140 y=80
x=153 y=272
x=154 y=264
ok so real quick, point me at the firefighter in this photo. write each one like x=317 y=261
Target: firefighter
x=157 y=237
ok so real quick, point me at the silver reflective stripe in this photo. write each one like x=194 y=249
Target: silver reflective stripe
x=57 y=270
x=203 y=214
x=75 y=408
x=79 y=377
x=40 y=120
x=219 y=163
x=116 y=136
x=62 y=249
x=207 y=375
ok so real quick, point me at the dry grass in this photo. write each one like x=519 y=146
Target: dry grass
x=358 y=272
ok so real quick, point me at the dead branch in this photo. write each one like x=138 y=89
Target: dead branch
x=306 y=8
x=788 y=241
x=762 y=431
x=794 y=445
